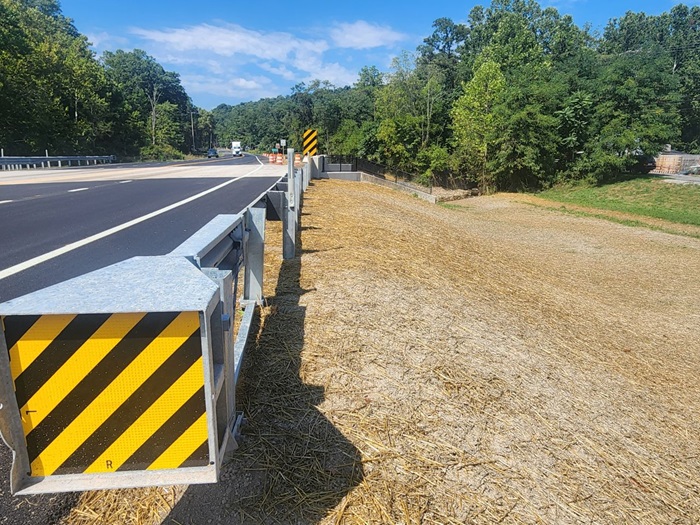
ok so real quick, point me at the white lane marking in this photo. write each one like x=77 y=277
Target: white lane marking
x=12 y=270
x=125 y=181
x=5 y=202
x=77 y=190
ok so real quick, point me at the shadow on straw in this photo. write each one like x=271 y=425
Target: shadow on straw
x=293 y=466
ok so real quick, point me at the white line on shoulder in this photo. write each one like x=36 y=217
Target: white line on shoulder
x=111 y=231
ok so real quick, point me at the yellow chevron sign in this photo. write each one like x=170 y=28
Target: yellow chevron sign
x=103 y=393
x=310 y=144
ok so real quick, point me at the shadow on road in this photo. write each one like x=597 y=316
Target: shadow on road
x=293 y=466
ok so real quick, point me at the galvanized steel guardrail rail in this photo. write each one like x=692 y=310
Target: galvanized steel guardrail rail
x=126 y=376
x=18 y=163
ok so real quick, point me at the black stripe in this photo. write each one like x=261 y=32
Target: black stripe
x=127 y=414
x=199 y=458
x=173 y=428
x=121 y=356
x=16 y=326
x=310 y=147
x=60 y=350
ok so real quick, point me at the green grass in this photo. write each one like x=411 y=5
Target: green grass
x=648 y=197
x=453 y=207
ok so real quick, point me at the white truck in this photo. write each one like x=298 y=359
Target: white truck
x=236 y=148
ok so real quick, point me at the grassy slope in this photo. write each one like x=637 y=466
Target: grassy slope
x=648 y=197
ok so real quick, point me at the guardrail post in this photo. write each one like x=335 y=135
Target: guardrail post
x=290 y=171
x=255 y=253
x=290 y=222
x=290 y=231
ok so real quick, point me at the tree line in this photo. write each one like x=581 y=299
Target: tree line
x=518 y=97
x=56 y=95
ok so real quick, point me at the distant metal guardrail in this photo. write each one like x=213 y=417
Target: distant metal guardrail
x=18 y=163
x=126 y=376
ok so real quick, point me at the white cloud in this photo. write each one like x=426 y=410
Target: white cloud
x=224 y=48
x=563 y=4
x=223 y=60
x=103 y=40
x=234 y=87
x=364 y=35
x=336 y=74
x=281 y=71
x=231 y=40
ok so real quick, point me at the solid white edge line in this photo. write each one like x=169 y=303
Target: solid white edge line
x=5 y=202
x=12 y=270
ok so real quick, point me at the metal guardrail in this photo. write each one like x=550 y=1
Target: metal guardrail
x=17 y=163
x=126 y=376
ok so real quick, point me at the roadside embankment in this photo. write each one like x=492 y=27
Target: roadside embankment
x=486 y=362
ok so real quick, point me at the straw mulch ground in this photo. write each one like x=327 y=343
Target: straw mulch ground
x=490 y=363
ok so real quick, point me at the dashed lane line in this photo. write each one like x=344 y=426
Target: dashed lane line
x=111 y=231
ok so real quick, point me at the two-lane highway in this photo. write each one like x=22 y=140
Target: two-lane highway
x=52 y=231
x=58 y=224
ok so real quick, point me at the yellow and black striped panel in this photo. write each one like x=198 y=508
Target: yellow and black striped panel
x=310 y=145
x=109 y=392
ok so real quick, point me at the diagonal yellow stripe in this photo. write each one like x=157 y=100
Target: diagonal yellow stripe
x=310 y=140
x=57 y=387
x=35 y=341
x=112 y=397
x=183 y=447
x=151 y=420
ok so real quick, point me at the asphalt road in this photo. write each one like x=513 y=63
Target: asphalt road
x=42 y=212
x=682 y=179
x=44 y=217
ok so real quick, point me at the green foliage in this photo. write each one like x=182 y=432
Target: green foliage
x=53 y=91
x=348 y=139
x=518 y=97
x=160 y=152
x=475 y=123
x=55 y=95
x=646 y=197
x=144 y=87
x=434 y=164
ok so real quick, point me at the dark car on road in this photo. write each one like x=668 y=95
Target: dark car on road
x=213 y=152
x=644 y=164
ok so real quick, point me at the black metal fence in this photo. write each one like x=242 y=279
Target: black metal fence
x=341 y=163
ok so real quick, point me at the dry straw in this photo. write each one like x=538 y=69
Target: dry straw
x=488 y=363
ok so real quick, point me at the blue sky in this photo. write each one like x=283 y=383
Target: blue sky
x=231 y=52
